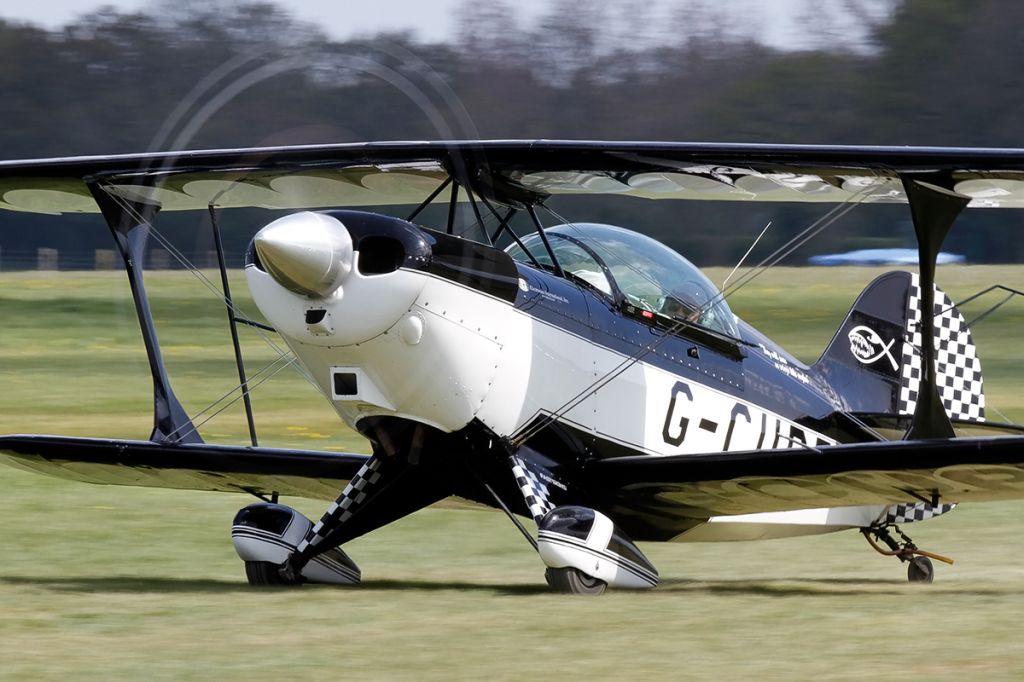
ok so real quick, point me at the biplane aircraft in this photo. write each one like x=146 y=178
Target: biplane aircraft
x=580 y=375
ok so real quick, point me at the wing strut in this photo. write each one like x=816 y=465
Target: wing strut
x=129 y=223
x=933 y=210
x=426 y=202
x=226 y=288
x=452 y=206
x=544 y=239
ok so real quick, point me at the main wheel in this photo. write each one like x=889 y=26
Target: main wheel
x=264 y=574
x=573 y=581
x=920 y=570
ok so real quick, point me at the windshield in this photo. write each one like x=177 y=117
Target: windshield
x=646 y=273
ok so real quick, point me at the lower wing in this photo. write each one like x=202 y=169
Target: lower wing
x=259 y=471
x=669 y=493
x=661 y=497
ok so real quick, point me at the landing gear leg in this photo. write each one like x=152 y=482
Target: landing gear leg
x=393 y=483
x=352 y=495
x=582 y=549
x=919 y=564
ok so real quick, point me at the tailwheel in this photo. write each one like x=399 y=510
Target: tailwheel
x=265 y=574
x=919 y=562
x=920 y=570
x=573 y=581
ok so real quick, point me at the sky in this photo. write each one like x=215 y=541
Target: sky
x=781 y=22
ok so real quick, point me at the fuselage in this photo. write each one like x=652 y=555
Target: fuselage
x=444 y=332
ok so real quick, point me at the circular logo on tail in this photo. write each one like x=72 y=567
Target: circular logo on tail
x=868 y=347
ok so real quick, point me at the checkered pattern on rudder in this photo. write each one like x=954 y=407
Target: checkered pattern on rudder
x=957 y=366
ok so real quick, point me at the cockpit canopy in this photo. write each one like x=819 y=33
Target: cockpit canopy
x=631 y=268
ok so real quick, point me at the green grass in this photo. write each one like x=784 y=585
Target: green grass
x=127 y=583
x=70 y=350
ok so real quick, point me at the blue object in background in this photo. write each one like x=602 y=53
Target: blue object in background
x=881 y=257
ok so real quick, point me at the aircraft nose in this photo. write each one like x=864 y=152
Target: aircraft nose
x=308 y=253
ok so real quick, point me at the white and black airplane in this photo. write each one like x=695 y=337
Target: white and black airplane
x=584 y=375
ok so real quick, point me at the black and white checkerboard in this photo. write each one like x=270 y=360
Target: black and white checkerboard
x=534 y=490
x=958 y=369
x=348 y=501
x=916 y=511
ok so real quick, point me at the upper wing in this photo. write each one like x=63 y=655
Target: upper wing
x=409 y=172
x=197 y=467
x=666 y=491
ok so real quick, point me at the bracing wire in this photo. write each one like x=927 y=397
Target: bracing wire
x=284 y=362
x=239 y=387
x=198 y=274
x=736 y=267
x=810 y=232
x=282 y=354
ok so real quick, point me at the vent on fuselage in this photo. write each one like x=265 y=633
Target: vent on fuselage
x=346 y=383
x=379 y=255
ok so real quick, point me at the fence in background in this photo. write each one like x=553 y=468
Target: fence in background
x=103 y=259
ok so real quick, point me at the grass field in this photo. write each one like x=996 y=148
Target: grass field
x=126 y=583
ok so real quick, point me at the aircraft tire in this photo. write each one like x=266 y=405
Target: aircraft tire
x=573 y=581
x=264 y=574
x=920 y=570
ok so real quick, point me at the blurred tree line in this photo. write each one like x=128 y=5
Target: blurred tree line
x=226 y=74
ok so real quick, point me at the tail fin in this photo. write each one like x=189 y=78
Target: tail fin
x=874 y=360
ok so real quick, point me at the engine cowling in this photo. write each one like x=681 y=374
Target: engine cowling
x=392 y=319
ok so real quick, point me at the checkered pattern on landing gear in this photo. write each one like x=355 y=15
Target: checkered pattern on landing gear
x=957 y=367
x=348 y=501
x=916 y=511
x=534 y=490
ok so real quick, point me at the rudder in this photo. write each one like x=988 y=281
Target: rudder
x=874 y=361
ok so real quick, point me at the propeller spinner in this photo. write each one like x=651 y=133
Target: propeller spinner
x=307 y=253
